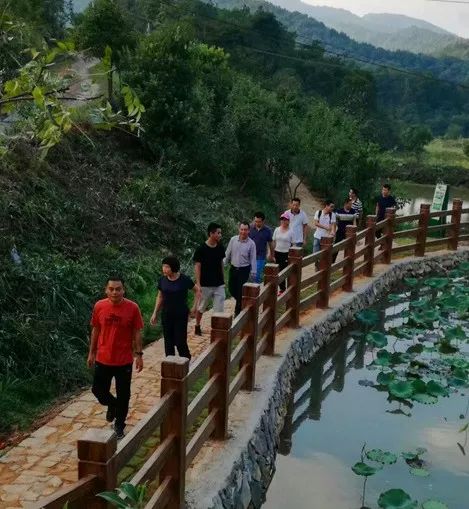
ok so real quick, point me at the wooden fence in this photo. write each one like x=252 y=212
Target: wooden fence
x=229 y=363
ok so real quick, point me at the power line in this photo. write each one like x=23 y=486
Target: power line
x=449 y=1
x=331 y=52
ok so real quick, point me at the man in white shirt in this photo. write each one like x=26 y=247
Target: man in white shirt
x=298 y=222
x=325 y=222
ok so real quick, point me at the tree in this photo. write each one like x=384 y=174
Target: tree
x=414 y=138
x=104 y=25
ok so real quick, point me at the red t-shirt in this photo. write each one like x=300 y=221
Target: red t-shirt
x=117 y=323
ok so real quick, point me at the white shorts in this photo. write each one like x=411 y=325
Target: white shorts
x=217 y=293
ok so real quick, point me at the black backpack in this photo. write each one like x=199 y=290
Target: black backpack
x=320 y=213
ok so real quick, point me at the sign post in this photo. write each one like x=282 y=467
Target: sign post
x=440 y=202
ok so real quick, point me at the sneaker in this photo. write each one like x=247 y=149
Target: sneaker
x=111 y=413
x=198 y=330
x=119 y=430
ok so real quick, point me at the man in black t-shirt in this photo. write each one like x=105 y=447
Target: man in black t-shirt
x=209 y=275
x=383 y=202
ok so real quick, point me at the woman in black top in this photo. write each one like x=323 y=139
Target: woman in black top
x=173 y=288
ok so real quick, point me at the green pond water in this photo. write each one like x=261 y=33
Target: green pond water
x=337 y=406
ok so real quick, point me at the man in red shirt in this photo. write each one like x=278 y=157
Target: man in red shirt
x=115 y=338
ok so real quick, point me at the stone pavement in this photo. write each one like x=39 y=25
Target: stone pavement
x=46 y=460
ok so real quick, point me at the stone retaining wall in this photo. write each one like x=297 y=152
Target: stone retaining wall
x=251 y=474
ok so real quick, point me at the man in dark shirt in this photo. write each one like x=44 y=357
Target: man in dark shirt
x=383 y=202
x=209 y=275
x=262 y=237
x=345 y=216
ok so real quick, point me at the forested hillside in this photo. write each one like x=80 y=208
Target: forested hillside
x=388 y=31
x=424 y=92
x=204 y=118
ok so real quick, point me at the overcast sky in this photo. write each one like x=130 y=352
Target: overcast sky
x=451 y=16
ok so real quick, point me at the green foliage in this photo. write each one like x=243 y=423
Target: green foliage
x=126 y=496
x=365 y=470
x=380 y=456
x=414 y=138
x=104 y=24
x=396 y=499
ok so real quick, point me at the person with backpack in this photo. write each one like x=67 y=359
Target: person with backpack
x=325 y=222
x=345 y=216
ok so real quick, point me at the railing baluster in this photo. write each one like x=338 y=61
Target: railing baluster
x=349 y=254
x=221 y=325
x=295 y=257
x=455 y=221
x=325 y=263
x=370 y=244
x=389 y=231
x=271 y=276
x=423 y=229
x=250 y=299
x=96 y=456
x=173 y=379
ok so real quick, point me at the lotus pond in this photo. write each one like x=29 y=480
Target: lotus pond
x=380 y=417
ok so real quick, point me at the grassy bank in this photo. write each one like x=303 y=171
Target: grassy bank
x=440 y=160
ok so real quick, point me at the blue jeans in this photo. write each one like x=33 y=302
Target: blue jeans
x=316 y=245
x=260 y=270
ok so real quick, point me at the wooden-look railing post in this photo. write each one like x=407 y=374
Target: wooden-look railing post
x=251 y=293
x=349 y=255
x=421 y=239
x=96 y=456
x=174 y=371
x=295 y=258
x=221 y=325
x=325 y=263
x=370 y=245
x=456 y=224
x=389 y=231
x=271 y=276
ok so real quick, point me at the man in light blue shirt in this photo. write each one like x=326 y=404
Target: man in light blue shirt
x=241 y=255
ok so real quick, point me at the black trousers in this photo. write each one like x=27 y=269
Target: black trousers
x=103 y=375
x=175 y=334
x=238 y=276
x=339 y=237
x=282 y=260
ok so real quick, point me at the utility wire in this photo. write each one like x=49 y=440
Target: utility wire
x=345 y=55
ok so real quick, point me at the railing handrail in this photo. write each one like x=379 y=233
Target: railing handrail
x=257 y=323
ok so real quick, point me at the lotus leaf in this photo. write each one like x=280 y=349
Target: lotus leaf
x=420 y=451
x=368 y=316
x=426 y=399
x=419 y=386
x=400 y=358
x=385 y=378
x=420 y=303
x=401 y=389
x=434 y=504
x=411 y=281
x=464 y=266
x=419 y=472
x=449 y=302
x=396 y=499
x=395 y=297
x=446 y=347
x=383 y=358
x=384 y=457
x=377 y=339
x=460 y=373
x=411 y=455
x=436 y=389
x=365 y=470
x=415 y=349
x=437 y=282
x=455 y=333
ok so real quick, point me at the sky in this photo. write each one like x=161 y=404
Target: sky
x=450 y=16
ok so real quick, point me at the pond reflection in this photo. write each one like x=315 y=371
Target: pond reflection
x=335 y=408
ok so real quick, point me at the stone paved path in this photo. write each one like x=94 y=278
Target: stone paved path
x=46 y=460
